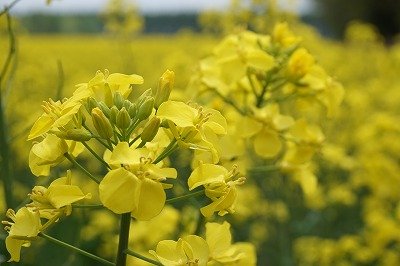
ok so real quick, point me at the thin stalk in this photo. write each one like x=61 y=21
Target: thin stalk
x=137 y=255
x=4 y=143
x=168 y=150
x=83 y=169
x=95 y=155
x=98 y=138
x=229 y=101
x=265 y=168
x=186 y=196
x=7 y=8
x=123 y=239
x=75 y=249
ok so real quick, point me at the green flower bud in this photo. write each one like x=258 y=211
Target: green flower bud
x=118 y=100
x=90 y=104
x=133 y=109
x=145 y=108
x=127 y=104
x=77 y=134
x=113 y=114
x=123 y=119
x=150 y=129
x=104 y=108
x=165 y=85
x=102 y=124
x=143 y=97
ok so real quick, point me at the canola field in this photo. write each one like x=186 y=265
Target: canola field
x=277 y=147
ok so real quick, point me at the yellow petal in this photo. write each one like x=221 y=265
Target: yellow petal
x=198 y=247
x=178 y=112
x=119 y=191
x=151 y=200
x=218 y=237
x=63 y=195
x=206 y=173
x=41 y=126
x=267 y=143
x=14 y=248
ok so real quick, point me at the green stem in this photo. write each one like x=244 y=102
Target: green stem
x=75 y=249
x=168 y=150
x=137 y=255
x=123 y=239
x=4 y=143
x=184 y=197
x=134 y=140
x=229 y=101
x=98 y=138
x=95 y=155
x=83 y=169
x=7 y=8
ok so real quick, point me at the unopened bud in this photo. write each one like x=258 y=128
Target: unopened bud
x=113 y=114
x=118 y=100
x=145 y=108
x=90 y=104
x=123 y=119
x=133 y=109
x=77 y=134
x=127 y=104
x=104 y=108
x=143 y=97
x=165 y=85
x=102 y=124
x=150 y=129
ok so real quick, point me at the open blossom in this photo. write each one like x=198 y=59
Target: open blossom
x=103 y=86
x=25 y=226
x=189 y=125
x=265 y=126
x=188 y=250
x=57 y=198
x=222 y=251
x=219 y=185
x=135 y=184
x=50 y=152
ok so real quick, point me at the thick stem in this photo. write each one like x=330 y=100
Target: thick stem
x=75 y=249
x=123 y=239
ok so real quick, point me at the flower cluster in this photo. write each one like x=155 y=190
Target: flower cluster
x=135 y=138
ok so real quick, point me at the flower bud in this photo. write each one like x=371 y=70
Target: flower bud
x=143 y=97
x=133 y=109
x=104 y=108
x=145 y=108
x=102 y=124
x=118 y=100
x=113 y=114
x=165 y=85
x=127 y=104
x=77 y=134
x=150 y=130
x=90 y=104
x=123 y=119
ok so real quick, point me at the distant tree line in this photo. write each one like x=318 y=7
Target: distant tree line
x=93 y=23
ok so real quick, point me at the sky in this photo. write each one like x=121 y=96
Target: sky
x=145 y=6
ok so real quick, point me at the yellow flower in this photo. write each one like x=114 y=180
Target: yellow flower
x=300 y=63
x=189 y=125
x=57 y=198
x=137 y=186
x=25 y=226
x=219 y=187
x=222 y=251
x=283 y=36
x=189 y=250
x=56 y=115
x=50 y=152
x=103 y=86
x=265 y=126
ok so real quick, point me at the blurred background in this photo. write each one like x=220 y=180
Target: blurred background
x=354 y=216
